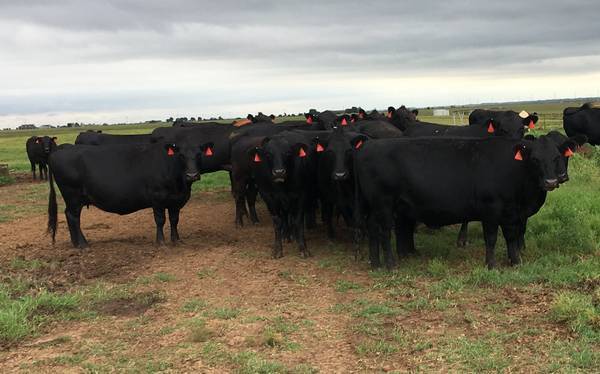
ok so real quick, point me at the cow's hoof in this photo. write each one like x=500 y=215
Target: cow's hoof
x=305 y=254
x=277 y=255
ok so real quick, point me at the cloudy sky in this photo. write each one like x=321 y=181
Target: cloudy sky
x=128 y=60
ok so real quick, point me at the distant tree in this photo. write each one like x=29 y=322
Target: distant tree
x=192 y=119
x=220 y=118
x=170 y=119
x=199 y=118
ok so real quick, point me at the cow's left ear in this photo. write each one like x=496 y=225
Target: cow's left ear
x=171 y=149
x=390 y=111
x=272 y=116
x=415 y=112
x=301 y=150
x=319 y=144
x=54 y=139
x=358 y=141
x=521 y=152
x=208 y=149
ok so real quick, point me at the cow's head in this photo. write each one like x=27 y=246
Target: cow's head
x=566 y=147
x=48 y=144
x=279 y=155
x=190 y=155
x=338 y=152
x=361 y=113
x=402 y=117
x=530 y=121
x=544 y=160
x=343 y=120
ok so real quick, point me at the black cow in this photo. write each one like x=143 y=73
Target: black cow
x=407 y=121
x=322 y=121
x=336 y=175
x=584 y=120
x=123 y=179
x=38 y=149
x=376 y=129
x=566 y=146
x=283 y=167
x=510 y=121
x=96 y=138
x=443 y=181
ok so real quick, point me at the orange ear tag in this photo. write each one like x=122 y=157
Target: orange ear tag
x=531 y=124
x=344 y=122
x=309 y=120
x=257 y=158
x=518 y=155
x=170 y=152
x=301 y=153
x=208 y=152
x=320 y=147
x=358 y=144
x=389 y=115
x=490 y=128
x=568 y=152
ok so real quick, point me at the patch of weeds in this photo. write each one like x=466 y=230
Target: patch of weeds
x=199 y=333
x=478 y=355
x=303 y=369
x=157 y=366
x=5 y=180
x=345 y=286
x=578 y=312
x=385 y=280
x=376 y=348
x=128 y=304
x=194 y=305
x=419 y=303
x=68 y=360
x=164 y=277
x=372 y=310
x=283 y=326
x=437 y=268
x=226 y=313
x=251 y=363
x=166 y=330
x=21 y=317
x=214 y=354
x=20 y=263
x=446 y=287
x=285 y=274
x=205 y=273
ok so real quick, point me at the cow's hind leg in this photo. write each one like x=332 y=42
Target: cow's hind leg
x=405 y=233
x=251 y=192
x=159 y=218
x=373 y=229
x=278 y=229
x=174 y=221
x=33 y=169
x=73 y=214
x=490 y=235
x=463 y=234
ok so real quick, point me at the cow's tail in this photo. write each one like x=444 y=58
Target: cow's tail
x=52 y=207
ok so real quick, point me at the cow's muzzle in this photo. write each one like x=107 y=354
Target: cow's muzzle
x=192 y=176
x=550 y=184
x=279 y=175
x=340 y=176
x=563 y=178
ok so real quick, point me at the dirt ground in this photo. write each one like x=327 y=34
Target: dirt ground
x=291 y=310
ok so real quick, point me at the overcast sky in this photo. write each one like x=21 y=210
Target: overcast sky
x=128 y=60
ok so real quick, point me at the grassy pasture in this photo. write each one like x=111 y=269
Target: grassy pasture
x=440 y=312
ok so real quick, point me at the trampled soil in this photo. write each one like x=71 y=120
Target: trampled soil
x=227 y=269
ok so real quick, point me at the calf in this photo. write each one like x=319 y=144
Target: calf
x=123 y=179
x=443 y=181
x=38 y=150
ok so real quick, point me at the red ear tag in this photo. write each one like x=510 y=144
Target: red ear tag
x=208 y=152
x=320 y=147
x=361 y=115
x=531 y=124
x=170 y=152
x=37 y=141
x=490 y=128
x=257 y=158
x=358 y=144
x=353 y=120
x=309 y=120
x=389 y=115
x=301 y=153
x=518 y=155
x=344 y=122
x=568 y=152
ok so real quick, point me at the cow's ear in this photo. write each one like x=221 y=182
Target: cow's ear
x=344 y=120
x=390 y=111
x=54 y=138
x=301 y=150
x=250 y=117
x=37 y=140
x=415 y=112
x=491 y=126
x=358 y=141
x=309 y=118
x=319 y=144
x=256 y=154
x=529 y=137
x=521 y=152
x=171 y=149
x=208 y=149
x=272 y=116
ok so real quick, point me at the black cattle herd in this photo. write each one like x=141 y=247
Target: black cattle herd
x=377 y=172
